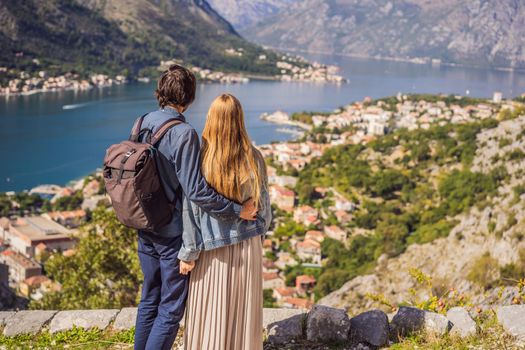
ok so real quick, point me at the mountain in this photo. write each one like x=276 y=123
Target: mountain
x=243 y=13
x=474 y=32
x=121 y=36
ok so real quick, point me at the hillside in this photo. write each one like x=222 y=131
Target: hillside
x=466 y=235
x=243 y=13
x=120 y=36
x=467 y=32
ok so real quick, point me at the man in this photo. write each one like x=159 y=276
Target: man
x=164 y=290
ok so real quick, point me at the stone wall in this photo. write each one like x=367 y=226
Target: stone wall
x=321 y=325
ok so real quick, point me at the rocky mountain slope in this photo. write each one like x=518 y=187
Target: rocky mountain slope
x=120 y=35
x=243 y=13
x=476 y=32
x=486 y=243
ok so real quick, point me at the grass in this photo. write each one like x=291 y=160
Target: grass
x=491 y=336
x=76 y=338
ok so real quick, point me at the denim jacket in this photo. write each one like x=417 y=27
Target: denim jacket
x=205 y=231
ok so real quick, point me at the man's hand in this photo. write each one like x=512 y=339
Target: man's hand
x=249 y=211
x=186 y=266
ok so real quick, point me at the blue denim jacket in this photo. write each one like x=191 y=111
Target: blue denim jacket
x=179 y=168
x=202 y=231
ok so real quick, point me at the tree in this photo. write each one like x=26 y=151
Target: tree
x=268 y=299
x=69 y=202
x=5 y=205
x=104 y=272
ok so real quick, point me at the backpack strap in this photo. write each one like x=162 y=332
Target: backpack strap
x=135 y=132
x=163 y=129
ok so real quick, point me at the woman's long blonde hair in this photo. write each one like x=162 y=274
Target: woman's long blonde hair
x=228 y=158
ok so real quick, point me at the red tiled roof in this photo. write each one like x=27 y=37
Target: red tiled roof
x=268 y=276
x=36 y=280
x=285 y=291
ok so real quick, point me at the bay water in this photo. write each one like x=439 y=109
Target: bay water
x=56 y=137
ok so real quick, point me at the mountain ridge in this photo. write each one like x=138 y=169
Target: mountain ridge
x=477 y=33
x=121 y=36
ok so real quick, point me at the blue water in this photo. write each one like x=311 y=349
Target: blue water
x=60 y=136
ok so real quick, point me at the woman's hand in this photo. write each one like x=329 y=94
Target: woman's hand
x=186 y=266
x=249 y=210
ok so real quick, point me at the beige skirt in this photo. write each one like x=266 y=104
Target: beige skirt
x=224 y=307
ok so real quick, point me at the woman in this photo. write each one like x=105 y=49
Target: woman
x=224 y=307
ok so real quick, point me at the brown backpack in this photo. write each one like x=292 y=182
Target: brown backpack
x=133 y=183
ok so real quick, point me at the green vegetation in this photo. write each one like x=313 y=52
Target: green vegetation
x=288 y=229
x=449 y=100
x=402 y=201
x=69 y=202
x=305 y=117
x=268 y=299
x=90 y=41
x=484 y=271
x=507 y=114
x=21 y=203
x=90 y=339
x=514 y=272
x=515 y=154
x=103 y=273
x=490 y=336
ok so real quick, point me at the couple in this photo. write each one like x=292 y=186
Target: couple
x=210 y=234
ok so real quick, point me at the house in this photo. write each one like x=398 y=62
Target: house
x=268 y=244
x=309 y=249
x=497 y=97
x=297 y=303
x=92 y=202
x=269 y=266
x=335 y=232
x=25 y=234
x=304 y=283
x=297 y=164
x=282 y=197
x=284 y=292
x=92 y=188
x=314 y=235
x=306 y=215
x=46 y=191
x=342 y=216
x=29 y=285
x=342 y=203
x=64 y=192
x=285 y=259
x=20 y=267
x=272 y=174
x=4 y=226
x=71 y=218
x=285 y=181
x=271 y=280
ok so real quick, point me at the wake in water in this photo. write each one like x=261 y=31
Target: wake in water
x=74 y=106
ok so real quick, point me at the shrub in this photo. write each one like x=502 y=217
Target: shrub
x=461 y=189
x=484 y=272
x=503 y=142
x=430 y=232
x=515 y=154
x=268 y=299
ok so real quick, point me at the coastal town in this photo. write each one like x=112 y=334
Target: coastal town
x=293 y=251
x=291 y=68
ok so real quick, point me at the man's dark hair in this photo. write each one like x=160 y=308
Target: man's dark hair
x=176 y=86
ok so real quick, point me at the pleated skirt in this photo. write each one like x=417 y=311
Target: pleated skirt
x=225 y=300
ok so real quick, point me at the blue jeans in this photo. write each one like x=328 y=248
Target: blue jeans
x=164 y=292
